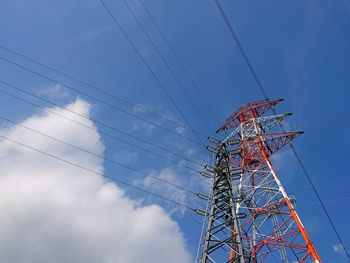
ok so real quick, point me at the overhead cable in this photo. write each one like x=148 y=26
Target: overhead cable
x=97 y=173
x=182 y=188
x=97 y=122
x=78 y=80
x=148 y=67
x=167 y=65
x=101 y=101
x=240 y=47
x=173 y=51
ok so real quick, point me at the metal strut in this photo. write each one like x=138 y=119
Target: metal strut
x=223 y=230
x=251 y=217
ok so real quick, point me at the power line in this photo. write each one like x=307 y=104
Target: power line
x=97 y=173
x=101 y=101
x=172 y=49
x=182 y=188
x=326 y=201
x=117 y=98
x=338 y=151
x=110 y=135
x=323 y=184
x=167 y=65
x=258 y=82
x=241 y=49
x=100 y=123
x=148 y=67
x=320 y=201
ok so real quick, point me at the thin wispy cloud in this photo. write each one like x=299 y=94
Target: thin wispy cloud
x=95 y=33
x=55 y=91
x=338 y=248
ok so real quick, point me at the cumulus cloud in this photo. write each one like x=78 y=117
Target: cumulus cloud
x=53 y=212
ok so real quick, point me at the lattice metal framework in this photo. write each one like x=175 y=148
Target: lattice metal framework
x=251 y=218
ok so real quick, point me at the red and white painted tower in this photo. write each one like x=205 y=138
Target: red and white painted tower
x=250 y=217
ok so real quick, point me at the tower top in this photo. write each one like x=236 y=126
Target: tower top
x=245 y=112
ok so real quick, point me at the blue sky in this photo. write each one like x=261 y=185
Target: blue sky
x=299 y=50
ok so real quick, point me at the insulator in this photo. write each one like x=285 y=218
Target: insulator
x=203 y=196
x=236 y=174
x=236 y=171
x=200 y=212
x=233 y=142
x=212 y=149
x=214 y=140
x=241 y=215
x=224 y=170
x=292 y=199
x=238 y=200
x=209 y=168
x=236 y=177
x=282 y=202
x=205 y=174
x=235 y=151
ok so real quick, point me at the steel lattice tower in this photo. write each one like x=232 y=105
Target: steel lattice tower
x=250 y=217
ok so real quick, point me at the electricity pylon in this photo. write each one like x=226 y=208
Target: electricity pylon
x=250 y=217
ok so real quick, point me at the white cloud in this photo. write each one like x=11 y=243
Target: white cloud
x=55 y=91
x=95 y=33
x=126 y=157
x=180 y=130
x=338 y=248
x=191 y=152
x=144 y=127
x=188 y=180
x=164 y=118
x=167 y=190
x=52 y=212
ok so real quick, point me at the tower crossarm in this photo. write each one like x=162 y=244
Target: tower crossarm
x=275 y=141
x=250 y=149
x=269 y=122
x=244 y=113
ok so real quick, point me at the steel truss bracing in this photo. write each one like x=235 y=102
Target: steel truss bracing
x=251 y=218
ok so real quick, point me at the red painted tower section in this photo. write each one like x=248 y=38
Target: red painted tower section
x=251 y=217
